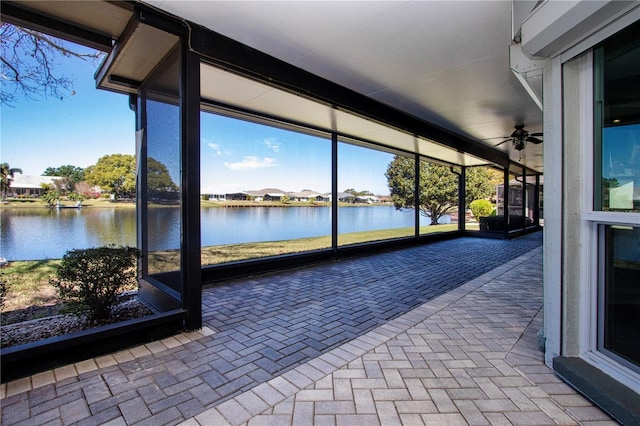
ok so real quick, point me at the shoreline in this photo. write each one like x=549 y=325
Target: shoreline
x=36 y=204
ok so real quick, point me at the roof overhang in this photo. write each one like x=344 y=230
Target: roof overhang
x=140 y=49
x=96 y=24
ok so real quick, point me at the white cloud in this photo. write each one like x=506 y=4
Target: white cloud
x=272 y=144
x=252 y=163
x=215 y=147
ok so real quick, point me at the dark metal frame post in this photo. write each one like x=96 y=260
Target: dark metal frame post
x=190 y=208
x=462 y=198
x=525 y=199
x=536 y=201
x=416 y=194
x=505 y=198
x=141 y=183
x=334 y=193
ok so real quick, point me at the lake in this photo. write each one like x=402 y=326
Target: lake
x=34 y=233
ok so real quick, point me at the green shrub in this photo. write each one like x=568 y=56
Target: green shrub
x=89 y=280
x=481 y=208
x=74 y=196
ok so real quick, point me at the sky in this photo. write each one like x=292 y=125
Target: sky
x=236 y=155
x=77 y=130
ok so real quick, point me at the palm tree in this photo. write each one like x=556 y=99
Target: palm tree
x=6 y=176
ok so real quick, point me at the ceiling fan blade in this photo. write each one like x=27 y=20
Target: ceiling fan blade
x=536 y=134
x=534 y=140
x=506 y=140
x=498 y=137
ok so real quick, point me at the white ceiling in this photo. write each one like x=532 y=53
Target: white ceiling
x=446 y=62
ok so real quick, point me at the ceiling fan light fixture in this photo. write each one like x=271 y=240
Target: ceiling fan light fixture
x=519 y=143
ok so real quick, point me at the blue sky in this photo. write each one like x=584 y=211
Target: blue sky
x=77 y=130
x=236 y=155
x=620 y=152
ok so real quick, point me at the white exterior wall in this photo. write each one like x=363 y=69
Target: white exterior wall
x=552 y=197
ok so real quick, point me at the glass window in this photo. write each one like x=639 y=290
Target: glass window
x=617 y=189
x=163 y=177
x=438 y=198
x=531 y=201
x=617 y=115
x=266 y=191
x=620 y=294
x=80 y=130
x=516 y=203
x=541 y=202
x=366 y=211
x=481 y=186
x=163 y=186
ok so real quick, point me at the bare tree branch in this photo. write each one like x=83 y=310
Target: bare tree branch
x=28 y=65
x=60 y=47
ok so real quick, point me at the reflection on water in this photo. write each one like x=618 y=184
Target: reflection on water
x=43 y=233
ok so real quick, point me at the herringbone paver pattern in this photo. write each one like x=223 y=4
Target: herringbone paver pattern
x=307 y=346
x=471 y=358
x=275 y=322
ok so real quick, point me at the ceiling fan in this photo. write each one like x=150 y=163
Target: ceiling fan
x=520 y=137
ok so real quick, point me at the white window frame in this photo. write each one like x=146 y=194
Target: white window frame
x=591 y=248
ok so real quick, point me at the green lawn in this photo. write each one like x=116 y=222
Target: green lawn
x=28 y=281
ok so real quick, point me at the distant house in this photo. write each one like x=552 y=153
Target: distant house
x=274 y=196
x=229 y=196
x=306 y=196
x=30 y=185
x=267 y=194
x=237 y=196
x=346 y=197
x=368 y=199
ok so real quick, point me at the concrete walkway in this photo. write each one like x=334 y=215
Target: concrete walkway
x=278 y=349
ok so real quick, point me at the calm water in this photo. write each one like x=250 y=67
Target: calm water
x=29 y=234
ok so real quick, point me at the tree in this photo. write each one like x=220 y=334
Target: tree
x=496 y=176
x=74 y=173
x=358 y=193
x=438 y=193
x=28 y=65
x=6 y=175
x=159 y=182
x=114 y=173
x=479 y=185
x=84 y=189
x=50 y=194
x=69 y=177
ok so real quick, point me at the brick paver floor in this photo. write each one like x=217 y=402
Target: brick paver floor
x=436 y=334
